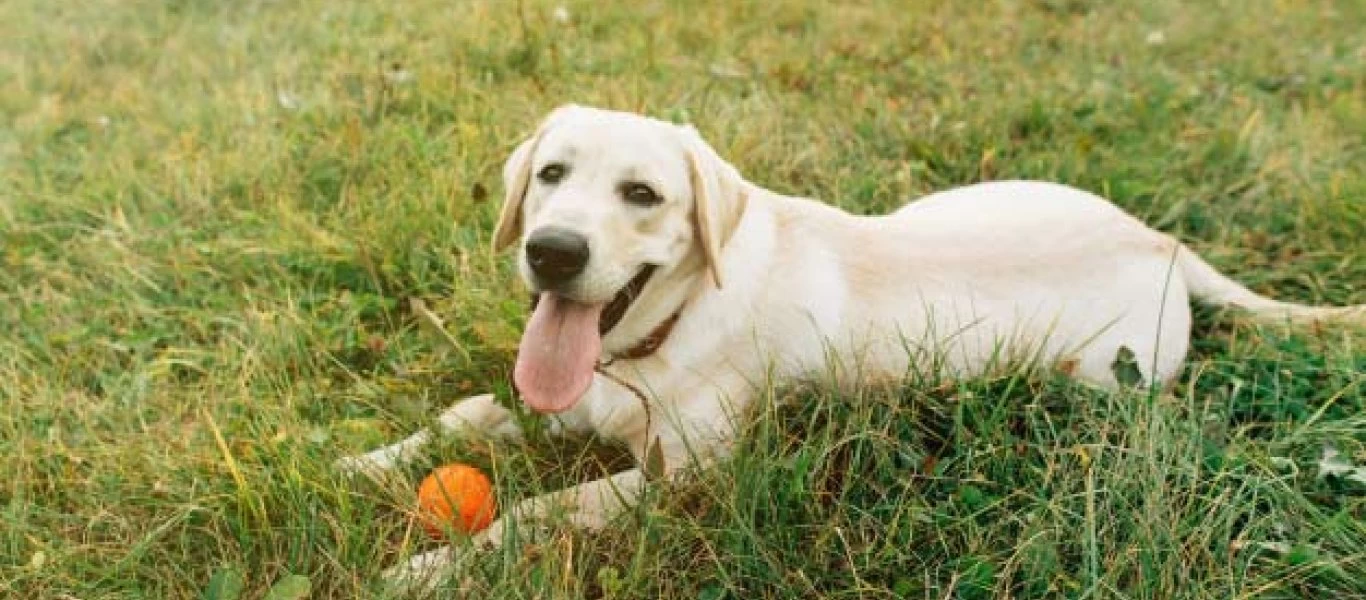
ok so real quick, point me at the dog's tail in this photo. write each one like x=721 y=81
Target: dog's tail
x=1212 y=287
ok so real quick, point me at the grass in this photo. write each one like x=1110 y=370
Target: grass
x=213 y=217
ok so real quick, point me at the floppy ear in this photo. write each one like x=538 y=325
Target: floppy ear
x=516 y=178
x=718 y=199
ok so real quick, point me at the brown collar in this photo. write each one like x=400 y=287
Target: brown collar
x=651 y=343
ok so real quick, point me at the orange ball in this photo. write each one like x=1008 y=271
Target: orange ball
x=455 y=497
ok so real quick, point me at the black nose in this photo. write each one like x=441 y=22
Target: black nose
x=556 y=254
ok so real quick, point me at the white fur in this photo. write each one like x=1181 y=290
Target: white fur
x=954 y=284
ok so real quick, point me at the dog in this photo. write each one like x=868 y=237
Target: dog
x=667 y=289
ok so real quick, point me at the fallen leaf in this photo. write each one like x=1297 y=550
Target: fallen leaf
x=292 y=587
x=226 y=584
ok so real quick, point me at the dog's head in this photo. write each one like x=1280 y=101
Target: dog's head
x=603 y=206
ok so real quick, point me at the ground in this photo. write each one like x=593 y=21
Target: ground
x=228 y=231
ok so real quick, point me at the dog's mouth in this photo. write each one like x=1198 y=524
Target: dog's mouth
x=616 y=309
x=562 y=342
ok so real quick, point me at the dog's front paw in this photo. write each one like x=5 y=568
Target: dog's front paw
x=491 y=538
x=508 y=531
x=420 y=573
x=372 y=464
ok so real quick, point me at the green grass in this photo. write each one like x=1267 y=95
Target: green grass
x=213 y=217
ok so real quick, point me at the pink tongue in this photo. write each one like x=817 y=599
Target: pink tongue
x=559 y=349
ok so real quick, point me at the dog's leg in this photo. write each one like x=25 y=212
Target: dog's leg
x=477 y=414
x=588 y=506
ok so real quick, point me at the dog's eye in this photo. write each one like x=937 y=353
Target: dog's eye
x=640 y=194
x=551 y=173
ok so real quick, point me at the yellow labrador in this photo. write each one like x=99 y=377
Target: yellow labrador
x=667 y=288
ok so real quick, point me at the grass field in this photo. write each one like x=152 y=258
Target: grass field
x=214 y=217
